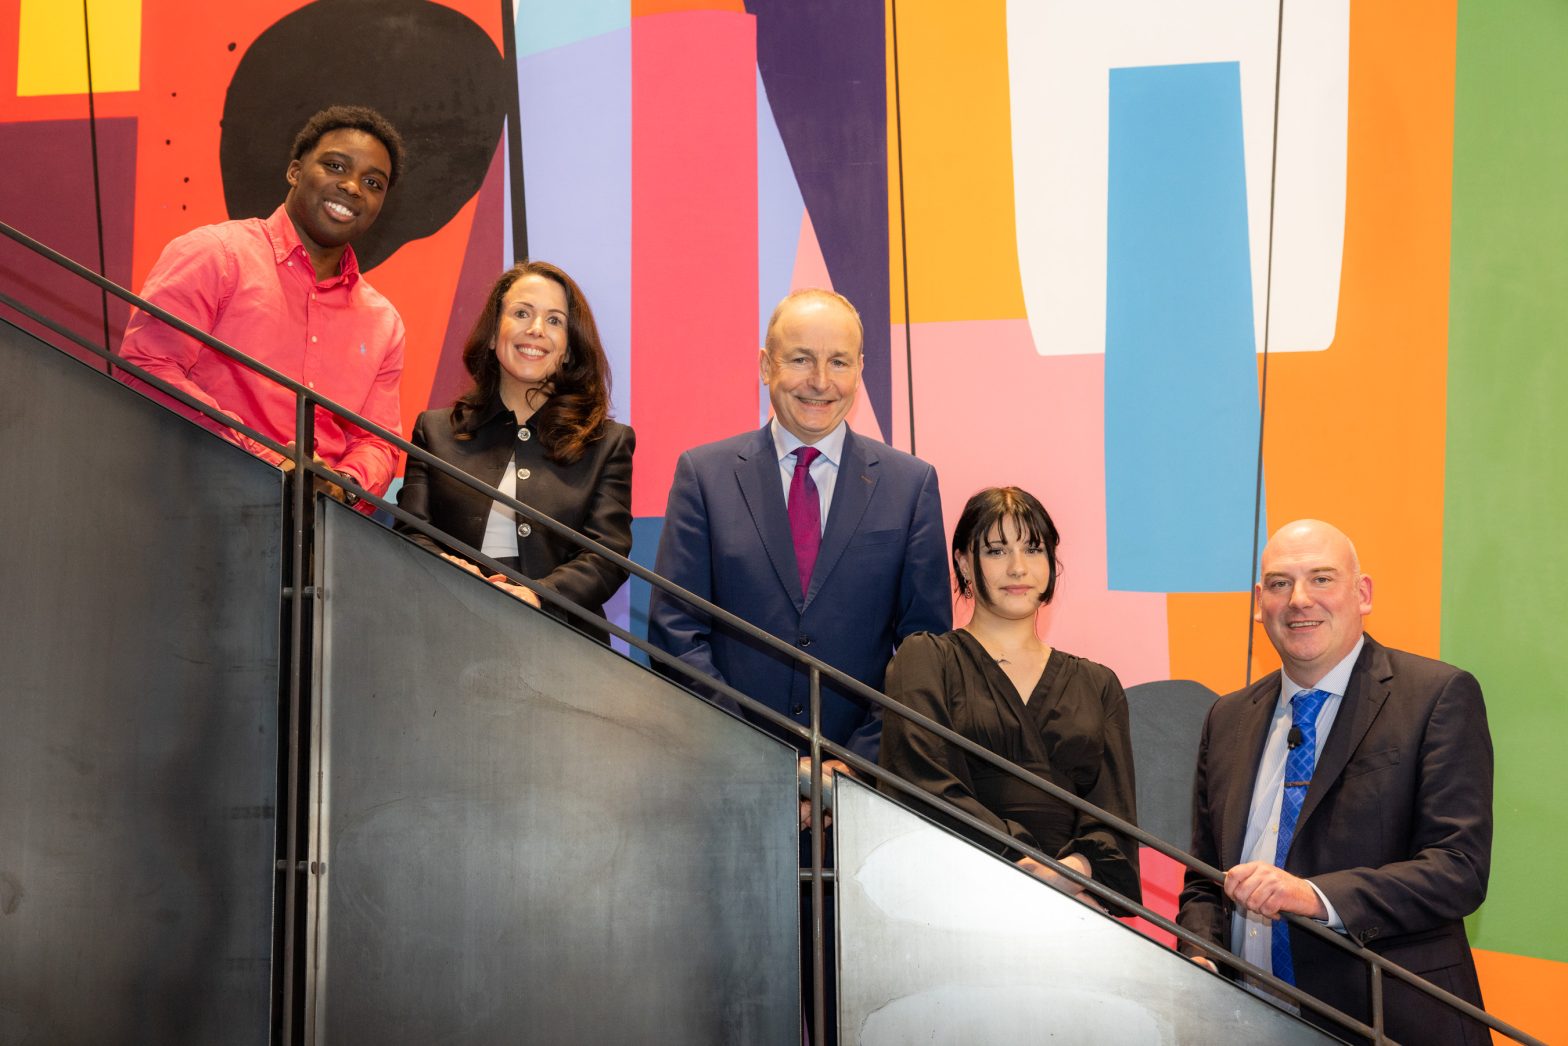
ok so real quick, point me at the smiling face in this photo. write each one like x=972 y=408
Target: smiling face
x=811 y=366
x=1014 y=569
x=336 y=190
x=1312 y=598
x=531 y=338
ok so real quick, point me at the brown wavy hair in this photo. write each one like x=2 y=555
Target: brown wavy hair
x=578 y=393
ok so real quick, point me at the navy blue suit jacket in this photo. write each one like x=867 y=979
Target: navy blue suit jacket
x=881 y=574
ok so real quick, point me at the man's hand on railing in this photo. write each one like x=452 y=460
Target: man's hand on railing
x=829 y=768
x=1260 y=887
x=325 y=486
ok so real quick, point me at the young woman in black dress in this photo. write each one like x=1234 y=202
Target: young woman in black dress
x=995 y=682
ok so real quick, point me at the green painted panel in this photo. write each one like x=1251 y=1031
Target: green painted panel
x=1505 y=543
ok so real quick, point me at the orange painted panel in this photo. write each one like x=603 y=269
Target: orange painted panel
x=1527 y=993
x=958 y=165
x=1208 y=638
x=1355 y=434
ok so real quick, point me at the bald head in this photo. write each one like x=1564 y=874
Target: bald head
x=807 y=300
x=1313 y=533
x=1311 y=597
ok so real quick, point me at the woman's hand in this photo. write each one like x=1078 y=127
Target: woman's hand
x=505 y=584
x=1078 y=863
x=472 y=568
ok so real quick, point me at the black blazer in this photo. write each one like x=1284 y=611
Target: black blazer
x=592 y=496
x=1396 y=830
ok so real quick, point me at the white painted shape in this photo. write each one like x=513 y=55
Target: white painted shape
x=1060 y=53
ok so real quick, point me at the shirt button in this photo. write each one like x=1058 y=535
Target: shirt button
x=803 y=642
x=523 y=473
x=311 y=384
x=523 y=530
x=313 y=339
x=524 y=435
x=1252 y=933
x=312 y=295
x=798 y=710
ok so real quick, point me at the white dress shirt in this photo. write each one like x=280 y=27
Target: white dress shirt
x=500 y=538
x=824 y=470
x=1251 y=935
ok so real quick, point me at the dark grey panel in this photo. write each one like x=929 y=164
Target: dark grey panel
x=529 y=838
x=942 y=942
x=138 y=716
x=1167 y=721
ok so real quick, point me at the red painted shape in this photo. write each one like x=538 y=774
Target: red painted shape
x=481 y=266
x=1161 y=890
x=694 y=239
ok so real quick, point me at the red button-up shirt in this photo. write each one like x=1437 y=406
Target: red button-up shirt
x=251 y=284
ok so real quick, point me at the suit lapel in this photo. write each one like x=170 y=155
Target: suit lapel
x=1252 y=728
x=1363 y=700
x=857 y=481
x=757 y=472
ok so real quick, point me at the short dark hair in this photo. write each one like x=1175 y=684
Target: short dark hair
x=988 y=509
x=357 y=118
x=579 y=390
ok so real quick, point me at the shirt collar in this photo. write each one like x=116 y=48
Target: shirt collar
x=478 y=419
x=832 y=445
x=1336 y=682
x=286 y=244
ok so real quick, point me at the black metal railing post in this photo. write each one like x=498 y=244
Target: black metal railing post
x=1377 y=1004
x=819 y=1029
x=300 y=483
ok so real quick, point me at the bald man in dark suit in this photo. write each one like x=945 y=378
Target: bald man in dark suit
x=1392 y=842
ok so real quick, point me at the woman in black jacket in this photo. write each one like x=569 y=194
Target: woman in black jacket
x=535 y=425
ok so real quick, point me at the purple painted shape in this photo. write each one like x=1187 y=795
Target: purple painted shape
x=48 y=195
x=481 y=265
x=824 y=64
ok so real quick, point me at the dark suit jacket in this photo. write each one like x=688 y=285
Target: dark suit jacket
x=881 y=574
x=592 y=496
x=1396 y=830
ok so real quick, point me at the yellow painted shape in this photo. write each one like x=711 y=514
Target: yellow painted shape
x=958 y=164
x=51 y=58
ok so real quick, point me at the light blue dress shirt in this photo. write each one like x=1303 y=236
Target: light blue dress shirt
x=1251 y=935
x=824 y=470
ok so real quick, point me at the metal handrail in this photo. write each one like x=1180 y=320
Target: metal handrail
x=820 y=747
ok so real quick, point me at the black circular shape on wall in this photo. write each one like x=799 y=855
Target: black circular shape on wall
x=429 y=69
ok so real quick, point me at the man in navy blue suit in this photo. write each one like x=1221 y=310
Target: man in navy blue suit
x=828 y=540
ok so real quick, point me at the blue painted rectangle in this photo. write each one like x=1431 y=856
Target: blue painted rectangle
x=1181 y=382
x=645 y=547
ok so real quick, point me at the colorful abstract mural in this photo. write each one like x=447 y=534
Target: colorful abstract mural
x=1182 y=271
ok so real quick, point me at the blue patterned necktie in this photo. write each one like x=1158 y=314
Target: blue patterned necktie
x=1304 y=708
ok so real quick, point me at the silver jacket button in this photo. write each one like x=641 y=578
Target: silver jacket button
x=523 y=473
x=523 y=530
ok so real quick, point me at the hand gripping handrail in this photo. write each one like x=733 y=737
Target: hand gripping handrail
x=820 y=747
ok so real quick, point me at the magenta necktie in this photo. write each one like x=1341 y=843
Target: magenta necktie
x=805 y=514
